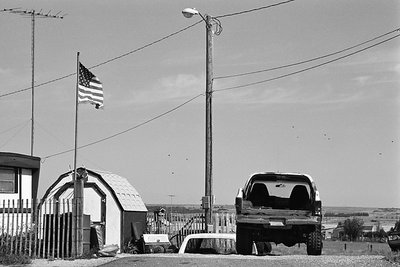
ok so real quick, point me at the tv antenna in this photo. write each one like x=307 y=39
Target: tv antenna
x=33 y=15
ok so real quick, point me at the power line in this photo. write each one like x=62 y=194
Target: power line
x=15 y=134
x=215 y=78
x=223 y=89
x=306 y=69
x=129 y=129
x=14 y=127
x=145 y=46
x=306 y=61
x=105 y=62
x=254 y=9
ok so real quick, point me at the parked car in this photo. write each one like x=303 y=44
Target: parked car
x=394 y=238
x=280 y=208
x=209 y=243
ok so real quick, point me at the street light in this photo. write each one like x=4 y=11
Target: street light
x=208 y=199
x=189 y=12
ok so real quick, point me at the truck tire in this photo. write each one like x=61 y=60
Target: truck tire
x=244 y=242
x=314 y=242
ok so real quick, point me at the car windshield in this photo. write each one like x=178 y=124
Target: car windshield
x=211 y=246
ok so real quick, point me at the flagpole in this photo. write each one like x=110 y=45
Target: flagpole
x=91 y=88
x=74 y=176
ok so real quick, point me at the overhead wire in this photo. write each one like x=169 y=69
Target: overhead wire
x=16 y=126
x=254 y=9
x=225 y=89
x=14 y=135
x=306 y=69
x=104 y=62
x=308 y=60
x=221 y=77
x=143 y=47
x=129 y=129
x=147 y=45
x=128 y=53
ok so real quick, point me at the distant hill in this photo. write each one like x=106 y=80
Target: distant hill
x=382 y=213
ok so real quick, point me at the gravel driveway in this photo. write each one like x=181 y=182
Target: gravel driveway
x=73 y=263
x=239 y=260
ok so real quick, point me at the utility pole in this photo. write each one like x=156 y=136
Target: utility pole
x=171 y=196
x=208 y=199
x=208 y=203
x=33 y=15
x=170 y=212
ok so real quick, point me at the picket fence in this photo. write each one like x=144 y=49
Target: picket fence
x=39 y=229
x=177 y=225
x=43 y=229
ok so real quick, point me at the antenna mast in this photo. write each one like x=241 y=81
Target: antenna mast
x=33 y=14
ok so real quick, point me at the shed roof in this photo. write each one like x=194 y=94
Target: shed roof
x=127 y=195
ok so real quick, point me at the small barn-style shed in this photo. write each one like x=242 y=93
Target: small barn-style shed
x=111 y=201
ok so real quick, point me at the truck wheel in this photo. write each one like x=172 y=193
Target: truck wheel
x=314 y=242
x=244 y=243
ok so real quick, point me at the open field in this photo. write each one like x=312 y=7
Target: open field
x=384 y=217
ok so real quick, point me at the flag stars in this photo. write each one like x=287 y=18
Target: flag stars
x=90 y=89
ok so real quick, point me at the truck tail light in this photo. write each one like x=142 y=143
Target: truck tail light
x=318 y=208
x=239 y=201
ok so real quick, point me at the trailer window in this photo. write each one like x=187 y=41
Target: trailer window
x=8 y=180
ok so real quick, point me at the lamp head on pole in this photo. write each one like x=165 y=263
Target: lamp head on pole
x=189 y=12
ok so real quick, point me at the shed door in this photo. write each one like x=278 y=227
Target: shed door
x=95 y=205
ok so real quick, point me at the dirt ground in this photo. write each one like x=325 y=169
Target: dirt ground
x=80 y=262
x=149 y=260
x=256 y=261
x=334 y=253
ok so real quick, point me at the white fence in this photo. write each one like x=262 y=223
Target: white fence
x=179 y=225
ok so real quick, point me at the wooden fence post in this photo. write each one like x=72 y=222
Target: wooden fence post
x=28 y=243
x=12 y=227
x=69 y=230
x=40 y=229
x=53 y=228
x=2 y=222
x=21 y=230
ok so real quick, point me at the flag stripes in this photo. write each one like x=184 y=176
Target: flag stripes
x=90 y=89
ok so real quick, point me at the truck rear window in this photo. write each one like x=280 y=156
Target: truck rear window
x=280 y=194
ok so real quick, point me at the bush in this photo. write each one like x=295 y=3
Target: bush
x=6 y=258
x=393 y=257
x=353 y=228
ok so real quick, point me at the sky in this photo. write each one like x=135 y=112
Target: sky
x=336 y=121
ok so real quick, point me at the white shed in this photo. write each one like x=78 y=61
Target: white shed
x=110 y=200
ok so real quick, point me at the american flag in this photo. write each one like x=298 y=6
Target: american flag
x=90 y=89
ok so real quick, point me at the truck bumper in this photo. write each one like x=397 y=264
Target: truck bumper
x=276 y=222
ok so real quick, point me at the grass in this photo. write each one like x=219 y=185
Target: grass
x=7 y=258
x=337 y=248
x=393 y=257
x=343 y=248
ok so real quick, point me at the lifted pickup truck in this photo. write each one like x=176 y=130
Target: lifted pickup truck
x=280 y=208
